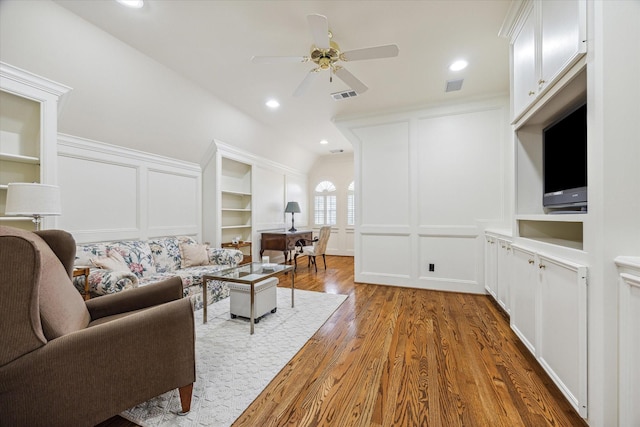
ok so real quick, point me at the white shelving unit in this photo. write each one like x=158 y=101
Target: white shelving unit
x=235 y=201
x=28 y=129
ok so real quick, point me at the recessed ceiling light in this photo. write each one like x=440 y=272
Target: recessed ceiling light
x=458 y=65
x=135 y=4
x=272 y=103
x=324 y=142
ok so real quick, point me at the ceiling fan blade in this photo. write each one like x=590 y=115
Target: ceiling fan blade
x=278 y=59
x=351 y=80
x=319 y=30
x=304 y=85
x=386 y=51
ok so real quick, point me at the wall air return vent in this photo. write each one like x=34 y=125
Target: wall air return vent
x=344 y=95
x=453 y=85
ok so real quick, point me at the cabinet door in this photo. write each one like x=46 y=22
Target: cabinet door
x=629 y=349
x=523 y=296
x=562 y=35
x=490 y=265
x=503 y=276
x=524 y=65
x=562 y=332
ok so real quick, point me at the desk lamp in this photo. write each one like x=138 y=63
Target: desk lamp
x=294 y=208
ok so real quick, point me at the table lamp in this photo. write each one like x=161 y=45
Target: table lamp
x=32 y=199
x=294 y=208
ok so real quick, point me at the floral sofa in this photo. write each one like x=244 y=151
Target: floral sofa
x=151 y=261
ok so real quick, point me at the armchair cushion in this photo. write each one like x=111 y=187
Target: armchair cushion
x=62 y=309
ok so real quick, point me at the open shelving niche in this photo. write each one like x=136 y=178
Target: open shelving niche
x=235 y=203
x=19 y=149
x=562 y=231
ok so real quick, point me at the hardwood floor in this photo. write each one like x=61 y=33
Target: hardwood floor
x=392 y=356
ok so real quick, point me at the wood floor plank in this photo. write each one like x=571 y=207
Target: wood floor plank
x=393 y=356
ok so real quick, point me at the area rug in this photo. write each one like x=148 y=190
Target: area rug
x=232 y=366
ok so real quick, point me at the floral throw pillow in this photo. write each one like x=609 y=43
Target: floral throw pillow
x=137 y=255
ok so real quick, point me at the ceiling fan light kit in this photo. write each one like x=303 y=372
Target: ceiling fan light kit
x=325 y=53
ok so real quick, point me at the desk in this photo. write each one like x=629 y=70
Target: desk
x=284 y=241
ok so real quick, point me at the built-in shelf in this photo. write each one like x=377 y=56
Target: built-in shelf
x=565 y=232
x=19 y=158
x=235 y=200
x=236 y=193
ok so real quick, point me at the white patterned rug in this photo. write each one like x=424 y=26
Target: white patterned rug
x=232 y=366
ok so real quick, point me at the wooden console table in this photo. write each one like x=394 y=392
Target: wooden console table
x=284 y=241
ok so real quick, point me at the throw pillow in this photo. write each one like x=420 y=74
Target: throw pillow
x=113 y=261
x=193 y=255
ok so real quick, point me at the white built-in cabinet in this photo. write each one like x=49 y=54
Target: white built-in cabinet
x=523 y=296
x=629 y=341
x=498 y=268
x=549 y=39
x=549 y=315
x=28 y=130
x=235 y=201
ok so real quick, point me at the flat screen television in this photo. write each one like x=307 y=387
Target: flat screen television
x=564 y=163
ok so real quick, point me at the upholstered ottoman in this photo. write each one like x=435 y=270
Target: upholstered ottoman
x=265 y=298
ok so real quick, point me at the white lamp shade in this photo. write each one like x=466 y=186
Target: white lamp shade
x=27 y=199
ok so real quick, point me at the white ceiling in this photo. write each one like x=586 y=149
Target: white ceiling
x=211 y=43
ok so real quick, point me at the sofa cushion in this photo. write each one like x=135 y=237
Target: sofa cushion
x=137 y=255
x=193 y=255
x=113 y=261
x=86 y=251
x=166 y=252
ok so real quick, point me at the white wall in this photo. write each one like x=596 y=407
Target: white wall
x=613 y=87
x=428 y=182
x=339 y=169
x=113 y=193
x=123 y=97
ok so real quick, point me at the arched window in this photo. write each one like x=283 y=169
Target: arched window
x=325 y=204
x=351 y=204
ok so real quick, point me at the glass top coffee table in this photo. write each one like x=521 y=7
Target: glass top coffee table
x=249 y=274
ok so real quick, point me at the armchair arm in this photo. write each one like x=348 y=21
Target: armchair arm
x=116 y=364
x=135 y=299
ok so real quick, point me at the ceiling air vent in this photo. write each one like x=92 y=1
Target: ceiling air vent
x=344 y=95
x=337 y=150
x=453 y=85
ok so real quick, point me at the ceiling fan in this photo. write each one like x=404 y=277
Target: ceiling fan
x=325 y=53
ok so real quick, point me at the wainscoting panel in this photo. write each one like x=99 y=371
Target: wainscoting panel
x=98 y=196
x=385 y=256
x=174 y=203
x=455 y=261
x=114 y=193
x=459 y=157
x=384 y=186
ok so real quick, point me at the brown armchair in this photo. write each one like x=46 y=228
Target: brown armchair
x=69 y=362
